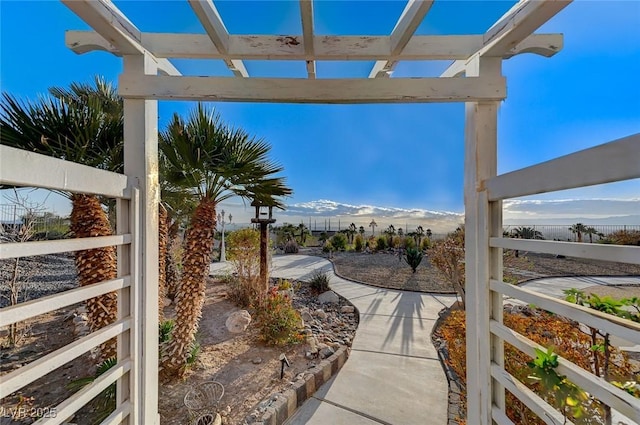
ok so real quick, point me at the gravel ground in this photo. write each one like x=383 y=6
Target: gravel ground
x=38 y=276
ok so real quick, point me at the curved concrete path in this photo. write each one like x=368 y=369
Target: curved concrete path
x=393 y=375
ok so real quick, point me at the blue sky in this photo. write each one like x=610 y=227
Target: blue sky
x=401 y=158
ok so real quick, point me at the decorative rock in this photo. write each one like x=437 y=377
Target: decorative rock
x=328 y=297
x=226 y=411
x=347 y=309
x=326 y=352
x=320 y=314
x=306 y=316
x=238 y=321
x=257 y=360
x=166 y=302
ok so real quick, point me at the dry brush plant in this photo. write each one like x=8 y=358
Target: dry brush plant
x=548 y=330
x=448 y=257
x=243 y=247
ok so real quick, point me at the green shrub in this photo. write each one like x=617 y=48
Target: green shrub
x=319 y=281
x=381 y=243
x=327 y=246
x=425 y=244
x=291 y=247
x=164 y=331
x=339 y=242
x=278 y=321
x=409 y=242
x=395 y=242
x=358 y=243
x=413 y=258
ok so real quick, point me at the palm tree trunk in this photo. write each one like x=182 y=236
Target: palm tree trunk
x=191 y=290
x=163 y=236
x=88 y=219
x=172 y=275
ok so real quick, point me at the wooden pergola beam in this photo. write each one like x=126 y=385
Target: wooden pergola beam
x=512 y=29
x=265 y=47
x=210 y=19
x=412 y=15
x=112 y=26
x=306 y=15
x=298 y=90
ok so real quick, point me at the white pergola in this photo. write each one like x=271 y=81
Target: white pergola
x=474 y=77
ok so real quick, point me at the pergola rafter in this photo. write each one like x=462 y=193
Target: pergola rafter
x=412 y=15
x=114 y=28
x=306 y=15
x=210 y=19
x=512 y=29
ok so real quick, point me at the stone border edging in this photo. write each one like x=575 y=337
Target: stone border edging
x=286 y=403
x=455 y=387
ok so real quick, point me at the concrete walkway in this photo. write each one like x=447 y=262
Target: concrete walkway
x=393 y=375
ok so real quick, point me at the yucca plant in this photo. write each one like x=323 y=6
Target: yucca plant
x=413 y=258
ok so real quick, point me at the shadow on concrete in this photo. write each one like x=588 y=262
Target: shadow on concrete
x=408 y=309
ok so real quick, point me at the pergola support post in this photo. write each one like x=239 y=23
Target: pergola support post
x=482 y=220
x=141 y=165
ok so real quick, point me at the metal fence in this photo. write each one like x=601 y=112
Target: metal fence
x=562 y=232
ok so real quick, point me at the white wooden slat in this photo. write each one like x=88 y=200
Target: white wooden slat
x=118 y=415
x=135 y=343
x=27 y=249
x=625 y=329
x=295 y=90
x=499 y=416
x=605 y=252
x=22 y=377
x=210 y=19
x=71 y=405
x=23 y=168
x=619 y=400
x=411 y=17
x=306 y=15
x=326 y=47
x=33 y=308
x=579 y=169
x=544 y=410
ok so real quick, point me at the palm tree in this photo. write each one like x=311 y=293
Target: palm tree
x=524 y=232
x=592 y=231
x=82 y=124
x=303 y=233
x=429 y=233
x=390 y=232
x=419 y=235
x=400 y=232
x=361 y=231
x=215 y=162
x=578 y=229
x=352 y=230
x=373 y=226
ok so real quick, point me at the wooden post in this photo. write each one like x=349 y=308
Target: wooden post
x=481 y=222
x=141 y=165
x=264 y=270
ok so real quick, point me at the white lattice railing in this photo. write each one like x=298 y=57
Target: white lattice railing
x=615 y=161
x=22 y=168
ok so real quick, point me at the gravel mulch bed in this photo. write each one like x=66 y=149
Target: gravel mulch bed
x=387 y=271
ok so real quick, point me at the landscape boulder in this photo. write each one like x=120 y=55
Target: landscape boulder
x=238 y=321
x=328 y=297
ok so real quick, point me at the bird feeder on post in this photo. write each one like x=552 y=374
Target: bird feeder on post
x=264 y=217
